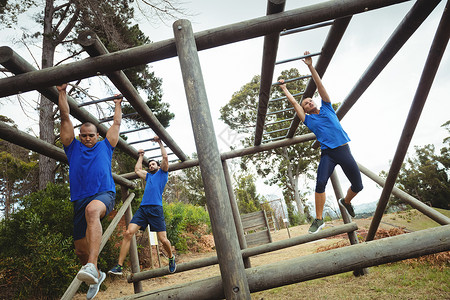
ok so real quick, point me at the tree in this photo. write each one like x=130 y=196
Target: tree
x=195 y=189
x=62 y=21
x=18 y=169
x=425 y=175
x=246 y=197
x=176 y=189
x=282 y=166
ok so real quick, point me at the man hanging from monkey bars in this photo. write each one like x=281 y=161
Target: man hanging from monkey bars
x=334 y=146
x=92 y=188
x=150 y=211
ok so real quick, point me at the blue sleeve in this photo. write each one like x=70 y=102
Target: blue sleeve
x=69 y=149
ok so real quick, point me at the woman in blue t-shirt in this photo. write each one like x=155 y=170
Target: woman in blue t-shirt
x=334 y=147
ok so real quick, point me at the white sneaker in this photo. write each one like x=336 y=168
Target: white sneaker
x=88 y=274
x=94 y=288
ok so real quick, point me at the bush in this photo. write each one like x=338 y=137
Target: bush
x=181 y=217
x=37 y=258
x=37 y=247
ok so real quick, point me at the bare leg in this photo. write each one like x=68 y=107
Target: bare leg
x=162 y=236
x=320 y=203
x=94 y=211
x=82 y=250
x=350 y=195
x=127 y=236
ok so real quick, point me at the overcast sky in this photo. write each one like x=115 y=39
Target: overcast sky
x=374 y=123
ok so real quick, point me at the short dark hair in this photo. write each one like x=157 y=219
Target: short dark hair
x=89 y=124
x=157 y=162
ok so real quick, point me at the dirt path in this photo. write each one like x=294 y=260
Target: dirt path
x=119 y=287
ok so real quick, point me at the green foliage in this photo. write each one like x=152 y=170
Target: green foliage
x=176 y=189
x=246 y=197
x=181 y=217
x=425 y=175
x=122 y=162
x=18 y=172
x=292 y=216
x=37 y=246
x=38 y=258
x=193 y=181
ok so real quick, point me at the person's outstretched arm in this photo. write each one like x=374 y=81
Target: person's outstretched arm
x=297 y=107
x=67 y=133
x=165 y=157
x=113 y=132
x=138 y=167
x=320 y=88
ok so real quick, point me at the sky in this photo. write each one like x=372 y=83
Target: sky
x=374 y=123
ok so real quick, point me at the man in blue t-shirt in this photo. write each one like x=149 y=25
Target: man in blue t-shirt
x=334 y=147
x=92 y=188
x=150 y=211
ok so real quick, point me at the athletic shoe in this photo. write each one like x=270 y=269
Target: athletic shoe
x=316 y=226
x=348 y=207
x=172 y=264
x=93 y=288
x=88 y=274
x=117 y=270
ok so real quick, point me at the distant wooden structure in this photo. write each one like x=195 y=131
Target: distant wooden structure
x=256 y=228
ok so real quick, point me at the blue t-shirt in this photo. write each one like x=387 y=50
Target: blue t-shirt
x=326 y=127
x=89 y=169
x=154 y=188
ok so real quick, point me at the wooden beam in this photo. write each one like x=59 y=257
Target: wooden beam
x=91 y=43
x=207 y=39
x=318 y=265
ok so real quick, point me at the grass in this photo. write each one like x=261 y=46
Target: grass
x=413 y=219
x=423 y=278
x=392 y=281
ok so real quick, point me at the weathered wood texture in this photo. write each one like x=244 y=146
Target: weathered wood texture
x=232 y=269
x=207 y=39
x=316 y=265
x=257 y=222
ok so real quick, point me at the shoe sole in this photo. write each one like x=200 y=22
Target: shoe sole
x=87 y=278
x=102 y=278
x=318 y=229
x=115 y=273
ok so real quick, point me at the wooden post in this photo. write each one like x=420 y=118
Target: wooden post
x=270 y=49
x=236 y=215
x=346 y=217
x=235 y=283
x=134 y=258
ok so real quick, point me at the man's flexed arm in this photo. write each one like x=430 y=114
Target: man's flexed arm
x=113 y=132
x=67 y=133
x=320 y=88
x=138 y=167
x=165 y=157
